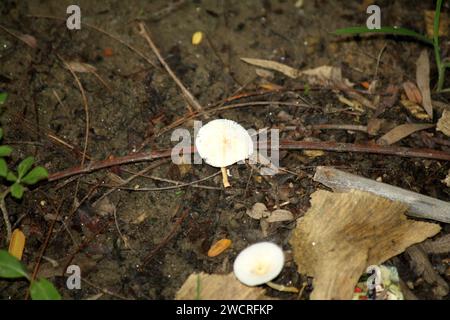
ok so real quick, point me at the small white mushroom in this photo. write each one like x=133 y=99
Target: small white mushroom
x=223 y=142
x=259 y=263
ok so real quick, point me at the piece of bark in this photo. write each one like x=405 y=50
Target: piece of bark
x=438 y=246
x=205 y=286
x=423 y=268
x=343 y=233
x=419 y=205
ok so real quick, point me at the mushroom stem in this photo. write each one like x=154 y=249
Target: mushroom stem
x=226 y=184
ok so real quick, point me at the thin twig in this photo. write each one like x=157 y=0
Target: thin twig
x=5 y=214
x=189 y=97
x=284 y=144
x=87 y=124
x=43 y=248
x=134 y=176
x=178 y=184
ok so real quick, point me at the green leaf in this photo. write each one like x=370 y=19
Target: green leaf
x=24 y=166
x=1 y=133
x=17 y=190
x=10 y=267
x=3 y=168
x=35 y=175
x=385 y=30
x=3 y=96
x=5 y=151
x=42 y=289
x=10 y=176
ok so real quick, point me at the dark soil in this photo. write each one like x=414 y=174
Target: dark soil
x=44 y=116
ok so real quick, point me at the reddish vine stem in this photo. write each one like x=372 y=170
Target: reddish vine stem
x=284 y=144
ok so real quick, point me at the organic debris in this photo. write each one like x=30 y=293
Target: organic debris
x=219 y=247
x=344 y=233
x=382 y=284
x=402 y=131
x=17 y=244
x=203 y=286
x=423 y=81
x=423 y=268
x=418 y=205
x=443 y=123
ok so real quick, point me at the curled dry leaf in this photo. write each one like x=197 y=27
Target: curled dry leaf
x=412 y=92
x=423 y=81
x=219 y=247
x=414 y=109
x=280 y=215
x=81 y=67
x=443 y=123
x=258 y=211
x=29 y=40
x=402 y=131
x=273 y=65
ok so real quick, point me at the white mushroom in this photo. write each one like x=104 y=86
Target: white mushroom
x=259 y=263
x=223 y=142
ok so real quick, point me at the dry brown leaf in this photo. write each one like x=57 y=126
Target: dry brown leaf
x=313 y=153
x=280 y=215
x=374 y=125
x=423 y=81
x=343 y=233
x=412 y=92
x=415 y=110
x=104 y=207
x=324 y=73
x=273 y=65
x=443 y=123
x=218 y=287
x=402 y=131
x=258 y=211
x=429 y=23
x=81 y=67
x=29 y=40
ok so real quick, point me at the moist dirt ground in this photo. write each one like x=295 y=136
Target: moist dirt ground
x=144 y=244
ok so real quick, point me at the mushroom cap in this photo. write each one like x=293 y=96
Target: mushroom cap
x=222 y=142
x=259 y=263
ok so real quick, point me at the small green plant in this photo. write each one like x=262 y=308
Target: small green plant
x=11 y=268
x=442 y=65
x=3 y=96
x=16 y=182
